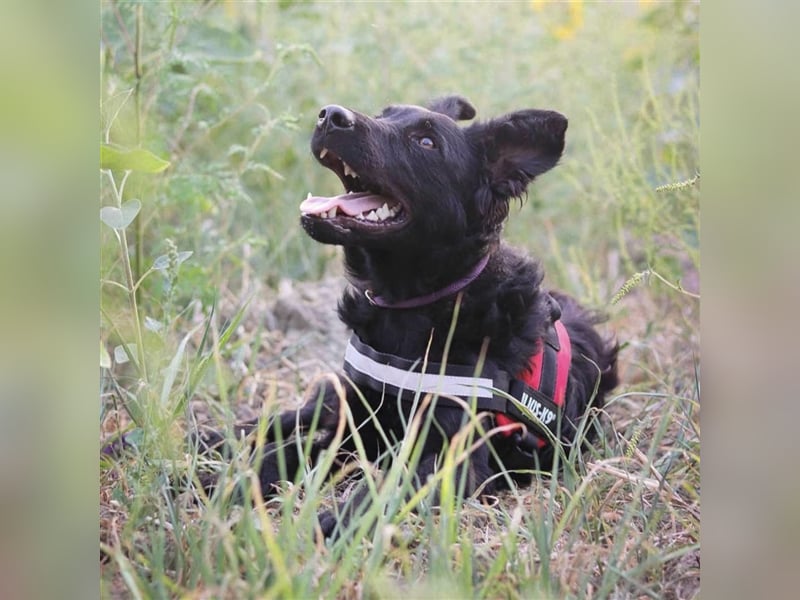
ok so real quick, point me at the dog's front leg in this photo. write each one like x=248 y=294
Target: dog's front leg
x=322 y=405
x=284 y=451
x=469 y=477
x=319 y=417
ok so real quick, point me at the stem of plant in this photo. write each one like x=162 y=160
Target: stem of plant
x=678 y=288
x=134 y=304
x=131 y=283
x=137 y=57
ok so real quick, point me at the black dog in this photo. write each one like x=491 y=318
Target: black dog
x=420 y=226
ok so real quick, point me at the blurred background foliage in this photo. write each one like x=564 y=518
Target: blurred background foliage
x=228 y=92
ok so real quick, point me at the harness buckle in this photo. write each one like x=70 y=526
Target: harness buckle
x=529 y=443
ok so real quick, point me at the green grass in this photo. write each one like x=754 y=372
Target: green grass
x=227 y=93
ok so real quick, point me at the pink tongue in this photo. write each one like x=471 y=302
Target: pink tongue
x=350 y=204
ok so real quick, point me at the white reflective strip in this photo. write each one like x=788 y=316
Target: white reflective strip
x=447 y=385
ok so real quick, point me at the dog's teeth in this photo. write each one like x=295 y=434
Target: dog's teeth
x=372 y=216
x=360 y=216
x=309 y=196
x=348 y=170
x=331 y=213
x=323 y=153
x=385 y=212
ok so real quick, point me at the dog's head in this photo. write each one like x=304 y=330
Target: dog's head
x=412 y=175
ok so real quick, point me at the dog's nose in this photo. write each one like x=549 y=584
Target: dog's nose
x=334 y=116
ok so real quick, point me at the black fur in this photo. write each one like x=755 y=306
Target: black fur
x=453 y=184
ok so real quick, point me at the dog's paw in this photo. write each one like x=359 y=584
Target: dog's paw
x=327 y=523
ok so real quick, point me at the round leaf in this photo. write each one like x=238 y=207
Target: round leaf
x=121 y=357
x=120 y=218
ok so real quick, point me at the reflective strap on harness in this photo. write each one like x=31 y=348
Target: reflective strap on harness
x=364 y=364
x=541 y=389
x=401 y=378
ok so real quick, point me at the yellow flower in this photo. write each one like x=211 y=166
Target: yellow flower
x=575 y=19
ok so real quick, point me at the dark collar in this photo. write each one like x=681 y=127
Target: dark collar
x=418 y=301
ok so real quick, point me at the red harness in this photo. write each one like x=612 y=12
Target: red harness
x=548 y=373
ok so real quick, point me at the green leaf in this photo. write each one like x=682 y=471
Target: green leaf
x=121 y=356
x=105 y=358
x=140 y=160
x=171 y=372
x=135 y=437
x=153 y=325
x=134 y=409
x=257 y=167
x=200 y=366
x=162 y=262
x=120 y=218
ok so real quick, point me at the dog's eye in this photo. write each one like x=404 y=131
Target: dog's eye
x=426 y=143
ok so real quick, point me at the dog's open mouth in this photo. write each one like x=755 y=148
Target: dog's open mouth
x=363 y=205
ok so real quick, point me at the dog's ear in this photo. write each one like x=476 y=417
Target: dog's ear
x=518 y=147
x=455 y=107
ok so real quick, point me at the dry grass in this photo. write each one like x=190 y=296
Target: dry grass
x=625 y=525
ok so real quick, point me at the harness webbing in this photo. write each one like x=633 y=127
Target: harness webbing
x=538 y=393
